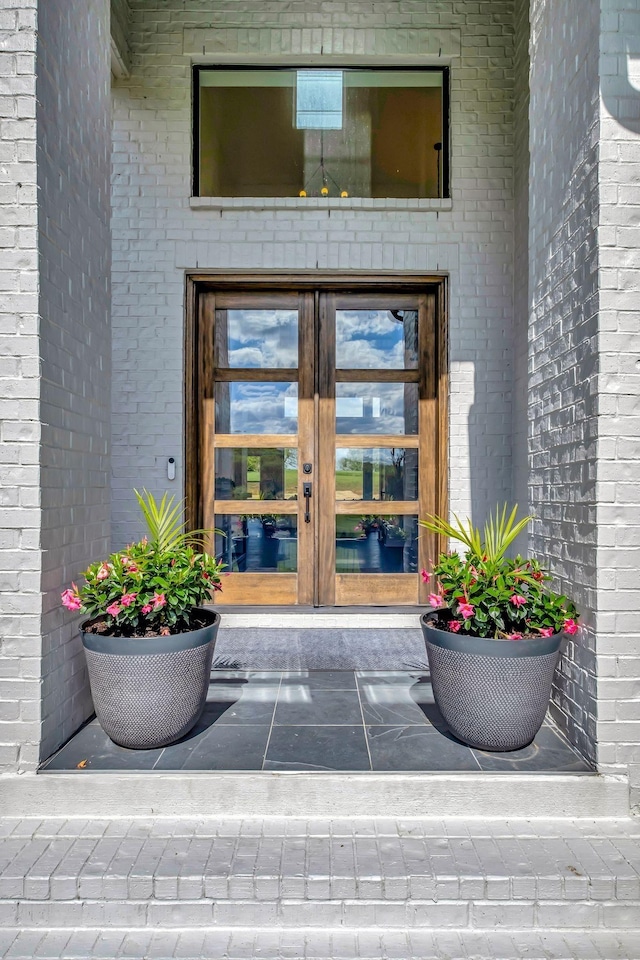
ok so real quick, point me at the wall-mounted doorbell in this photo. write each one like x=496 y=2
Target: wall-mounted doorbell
x=171 y=468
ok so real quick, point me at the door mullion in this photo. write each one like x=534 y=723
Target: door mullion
x=326 y=450
x=306 y=447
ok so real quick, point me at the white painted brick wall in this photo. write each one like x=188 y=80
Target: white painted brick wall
x=521 y=262
x=563 y=408
x=74 y=147
x=618 y=490
x=20 y=607
x=157 y=236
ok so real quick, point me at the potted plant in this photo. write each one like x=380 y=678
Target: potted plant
x=494 y=635
x=148 y=642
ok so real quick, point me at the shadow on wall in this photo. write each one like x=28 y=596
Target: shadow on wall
x=489 y=467
x=621 y=91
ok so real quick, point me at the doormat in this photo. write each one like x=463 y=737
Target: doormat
x=388 y=648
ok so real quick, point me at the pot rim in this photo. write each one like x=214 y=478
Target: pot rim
x=150 y=646
x=537 y=647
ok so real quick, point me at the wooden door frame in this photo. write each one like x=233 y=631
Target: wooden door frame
x=326 y=282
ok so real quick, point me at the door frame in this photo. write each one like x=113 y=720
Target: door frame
x=194 y=361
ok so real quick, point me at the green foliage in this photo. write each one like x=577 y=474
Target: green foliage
x=153 y=585
x=500 y=531
x=487 y=594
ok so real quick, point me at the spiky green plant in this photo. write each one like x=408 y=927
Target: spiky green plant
x=499 y=532
x=487 y=594
x=150 y=587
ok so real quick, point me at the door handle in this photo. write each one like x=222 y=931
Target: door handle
x=306 y=489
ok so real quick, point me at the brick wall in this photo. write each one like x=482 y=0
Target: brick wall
x=521 y=262
x=563 y=361
x=120 y=15
x=74 y=145
x=157 y=236
x=618 y=491
x=20 y=606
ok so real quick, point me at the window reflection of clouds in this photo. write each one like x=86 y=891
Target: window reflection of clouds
x=393 y=416
x=368 y=339
x=262 y=338
x=257 y=407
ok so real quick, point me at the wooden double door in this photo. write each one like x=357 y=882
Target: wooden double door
x=317 y=438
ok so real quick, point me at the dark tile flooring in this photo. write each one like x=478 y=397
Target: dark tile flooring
x=317 y=721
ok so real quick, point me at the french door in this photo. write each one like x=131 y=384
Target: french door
x=316 y=439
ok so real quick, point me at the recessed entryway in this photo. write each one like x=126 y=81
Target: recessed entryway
x=317 y=435
x=318 y=721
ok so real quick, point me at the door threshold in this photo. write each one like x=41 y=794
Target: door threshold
x=290 y=609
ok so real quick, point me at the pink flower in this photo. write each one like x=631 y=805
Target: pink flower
x=425 y=576
x=546 y=631
x=467 y=610
x=147 y=608
x=435 y=600
x=454 y=625
x=103 y=571
x=113 y=609
x=70 y=599
x=517 y=600
x=127 y=599
x=570 y=626
x=515 y=636
x=132 y=568
x=159 y=601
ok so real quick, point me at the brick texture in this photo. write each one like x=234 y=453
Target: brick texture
x=521 y=260
x=618 y=490
x=157 y=236
x=20 y=607
x=74 y=139
x=120 y=15
x=563 y=367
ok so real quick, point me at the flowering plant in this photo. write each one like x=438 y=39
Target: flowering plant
x=486 y=594
x=152 y=586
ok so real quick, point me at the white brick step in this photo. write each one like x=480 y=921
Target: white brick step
x=314 y=944
x=383 y=874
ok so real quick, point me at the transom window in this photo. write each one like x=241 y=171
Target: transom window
x=304 y=132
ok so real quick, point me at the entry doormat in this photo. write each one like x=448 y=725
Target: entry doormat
x=306 y=648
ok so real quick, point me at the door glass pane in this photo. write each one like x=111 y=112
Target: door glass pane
x=386 y=408
x=257 y=338
x=371 y=544
x=376 y=474
x=257 y=544
x=252 y=407
x=377 y=339
x=256 y=474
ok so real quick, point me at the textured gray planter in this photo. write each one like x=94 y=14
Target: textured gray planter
x=493 y=694
x=150 y=692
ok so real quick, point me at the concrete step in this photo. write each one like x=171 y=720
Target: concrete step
x=313 y=944
x=378 y=875
x=293 y=794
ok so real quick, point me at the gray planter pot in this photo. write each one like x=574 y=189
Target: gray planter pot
x=150 y=692
x=493 y=694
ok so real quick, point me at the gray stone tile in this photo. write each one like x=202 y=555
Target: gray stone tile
x=417 y=748
x=317 y=748
x=239 y=746
x=549 y=752
x=251 y=702
x=91 y=749
x=325 y=679
x=396 y=703
x=303 y=705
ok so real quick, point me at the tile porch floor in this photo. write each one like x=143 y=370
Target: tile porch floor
x=322 y=721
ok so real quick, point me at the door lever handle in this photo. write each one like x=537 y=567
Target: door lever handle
x=306 y=489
